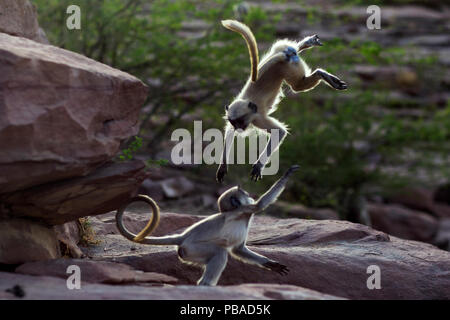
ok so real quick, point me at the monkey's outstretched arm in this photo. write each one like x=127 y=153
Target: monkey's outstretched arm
x=275 y=191
x=246 y=255
x=228 y=144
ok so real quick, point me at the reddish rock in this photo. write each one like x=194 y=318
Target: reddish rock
x=402 y=222
x=19 y=18
x=61 y=114
x=288 y=210
x=421 y=199
x=442 y=238
x=23 y=240
x=59 y=202
x=93 y=271
x=51 y=288
x=328 y=256
x=69 y=234
x=177 y=187
x=152 y=189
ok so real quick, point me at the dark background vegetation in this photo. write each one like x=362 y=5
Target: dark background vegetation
x=389 y=130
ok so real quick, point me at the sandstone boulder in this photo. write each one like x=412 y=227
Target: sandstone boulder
x=288 y=210
x=403 y=222
x=61 y=114
x=69 y=235
x=93 y=271
x=19 y=18
x=54 y=288
x=22 y=240
x=329 y=256
x=58 y=202
x=421 y=199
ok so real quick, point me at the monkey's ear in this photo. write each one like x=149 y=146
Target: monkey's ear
x=253 y=107
x=235 y=202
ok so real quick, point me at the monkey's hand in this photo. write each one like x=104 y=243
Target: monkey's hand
x=256 y=173
x=221 y=172
x=276 y=267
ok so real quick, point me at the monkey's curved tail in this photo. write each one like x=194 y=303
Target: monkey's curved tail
x=152 y=224
x=247 y=34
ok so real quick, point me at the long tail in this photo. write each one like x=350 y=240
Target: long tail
x=152 y=224
x=247 y=34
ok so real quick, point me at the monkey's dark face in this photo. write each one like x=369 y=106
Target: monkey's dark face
x=240 y=114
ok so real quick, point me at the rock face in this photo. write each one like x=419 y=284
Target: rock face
x=61 y=114
x=402 y=222
x=287 y=210
x=94 y=271
x=19 y=18
x=59 y=202
x=55 y=288
x=329 y=256
x=22 y=240
x=69 y=234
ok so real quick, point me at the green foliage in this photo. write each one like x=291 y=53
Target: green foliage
x=194 y=67
x=129 y=152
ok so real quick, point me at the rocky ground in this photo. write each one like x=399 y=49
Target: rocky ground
x=327 y=259
x=56 y=167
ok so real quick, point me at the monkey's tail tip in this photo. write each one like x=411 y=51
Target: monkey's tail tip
x=227 y=23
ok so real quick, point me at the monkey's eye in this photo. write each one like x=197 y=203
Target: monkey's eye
x=253 y=107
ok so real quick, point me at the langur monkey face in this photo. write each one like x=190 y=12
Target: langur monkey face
x=240 y=113
x=234 y=198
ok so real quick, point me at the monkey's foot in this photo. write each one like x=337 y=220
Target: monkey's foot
x=256 y=173
x=334 y=81
x=221 y=172
x=277 y=267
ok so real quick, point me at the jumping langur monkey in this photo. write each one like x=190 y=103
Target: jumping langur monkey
x=263 y=91
x=208 y=242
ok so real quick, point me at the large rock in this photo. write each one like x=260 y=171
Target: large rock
x=59 y=202
x=93 y=271
x=402 y=222
x=19 y=18
x=22 y=240
x=69 y=235
x=45 y=288
x=442 y=238
x=324 y=255
x=421 y=199
x=288 y=210
x=61 y=114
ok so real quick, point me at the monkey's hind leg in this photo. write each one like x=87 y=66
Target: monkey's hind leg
x=214 y=268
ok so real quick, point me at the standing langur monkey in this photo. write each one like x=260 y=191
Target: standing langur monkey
x=263 y=91
x=208 y=242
